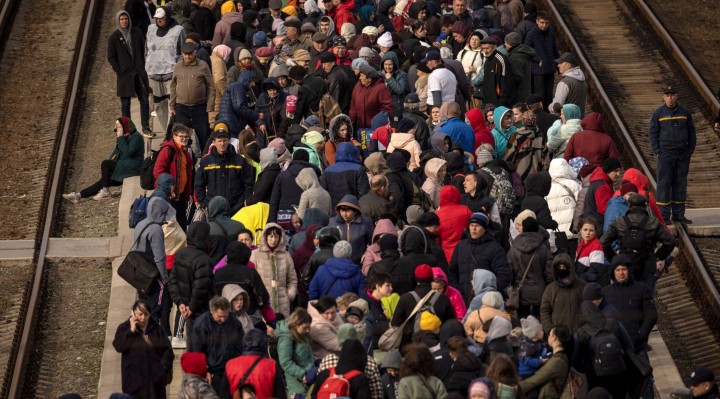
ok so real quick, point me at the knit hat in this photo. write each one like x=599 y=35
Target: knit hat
x=290 y=10
x=423 y=272
x=405 y=125
x=627 y=187
x=357 y=63
x=429 y=322
x=278 y=145
x=326 y=56
x=591 y=292
x=533 y=99
x=366 y=52
x=342 y=249
x=392 y=360
x=291 y=104
x=513 y=39
x=260 y=39
x=297 y=72
x=479 y=218
x=370 y=31
x=388 y=242
x=428 y=219
x=264 y=52
x=620 y=260
x=413 y=213
x=385 y=40
x=368 y=71
x=460 y=28
x=301 y=55
x=610 y=164
x=527 y=213
x=244 y=53
x=530 y=326
x=637 y=200
x=483 y=387
x=484 y=154
x=308 y=27
x=346 y=331
x=194 y=363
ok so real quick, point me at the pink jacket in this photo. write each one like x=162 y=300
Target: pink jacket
x=456 y=299
x=372 y=253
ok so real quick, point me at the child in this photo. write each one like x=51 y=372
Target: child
x=390 y=380
x=356 y=313
x=434 y=120
x=532 y=348
x=440 y=284
x=589 y=257
x=195 y=381
x=344 y=301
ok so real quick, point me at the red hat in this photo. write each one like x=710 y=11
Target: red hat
x=423 y=272
x=264 y=52
x=628 y=187
x=194 y=363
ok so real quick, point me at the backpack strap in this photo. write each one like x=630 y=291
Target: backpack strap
x=570 y=193
x=250 y=370
x=351 y=374
x=427 y=386
x=137 y=240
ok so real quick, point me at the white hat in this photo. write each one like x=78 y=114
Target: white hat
x=385 y=40
x=370 y=30
x=159 y=13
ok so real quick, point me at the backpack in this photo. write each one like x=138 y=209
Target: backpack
x=337 y=385
x=147 y=178
x=502 y=191
x=575 y=387
x=428 y=306
x=138 y=210
x=634 y=242
x=420 y=197
x=607 y=354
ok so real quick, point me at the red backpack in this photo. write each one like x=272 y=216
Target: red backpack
x=337 y=385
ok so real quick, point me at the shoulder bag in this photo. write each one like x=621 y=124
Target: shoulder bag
x=513 y=293
x=393 y=336
x=137 y=270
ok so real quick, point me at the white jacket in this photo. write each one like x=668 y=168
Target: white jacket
x=470 y=58
x=560 y=201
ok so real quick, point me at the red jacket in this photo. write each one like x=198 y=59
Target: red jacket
x=483 y=135
x=454 y=218
x=262 y=377
x=369 y=101
x=591 y=143
x=604 y=192
x=168 y=161
x=343 y=13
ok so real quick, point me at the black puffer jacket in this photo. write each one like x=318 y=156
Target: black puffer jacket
x=219 y=342
x=413 y=245
x=328 y=237
x=481 y=253
x=191 y=276
x=237 y=272
x=389 y=260
x=286 y=192
x=526 y=247
x=537 y=187
x=466 y=368
x=264 y=185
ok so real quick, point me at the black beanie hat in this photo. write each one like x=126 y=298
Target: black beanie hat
x=301 y=155
x=592 y=292
x=388 y=241
x=530 y=225
x=637 y=200
x=428 y=219
x=610 y=164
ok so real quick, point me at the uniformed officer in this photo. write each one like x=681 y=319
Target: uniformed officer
x=672 y=139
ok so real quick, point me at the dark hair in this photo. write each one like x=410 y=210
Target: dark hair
x=588 y=220
x=246 y=387
x=417 y=361
x=142 y=305
x=276 y=231
x=563 y=334
x=447 y=20
x=530 y=225
x=523 y=107
x=379 y=278
x=180 y=128
x=324 y=303
x=248 y=146
x=417 y=24
x=219 y=303
x=248 y=232
x=457 y=344
x=502 y=370
x=544 y=15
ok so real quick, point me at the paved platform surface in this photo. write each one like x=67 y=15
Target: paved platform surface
x=16 y=252
x=705 y=221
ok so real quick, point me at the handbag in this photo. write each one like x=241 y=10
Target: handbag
x=639 y=363
x=136 y=270
x=513 y=293
x=392 y=338
x=200 y=215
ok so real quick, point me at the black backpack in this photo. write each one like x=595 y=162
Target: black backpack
x=634 y=242
x=608 y=357
x=147 y=178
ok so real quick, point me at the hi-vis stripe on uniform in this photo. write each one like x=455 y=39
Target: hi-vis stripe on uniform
x=671 y=118
x=211 y=167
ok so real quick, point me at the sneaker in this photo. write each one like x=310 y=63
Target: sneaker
x=178 y=343
x=103 y=195
x=72 y=197
x=682 y=220
x=147 y=133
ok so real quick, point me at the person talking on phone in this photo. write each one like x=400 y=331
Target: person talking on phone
x=147 y=357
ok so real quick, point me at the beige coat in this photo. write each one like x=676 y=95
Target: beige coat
x=192 y=85
x=323 y=333
x=476 y=319
x=421 y=91
x=219 y=74
x=277 y=272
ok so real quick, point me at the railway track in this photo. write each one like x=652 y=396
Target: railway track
x=626 y=61
x=41 y=71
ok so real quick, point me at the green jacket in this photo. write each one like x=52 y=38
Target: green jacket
x=295 y=359
x=413 y=388
x=550 y=378
x=128 y=153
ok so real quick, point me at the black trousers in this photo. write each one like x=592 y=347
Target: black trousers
x=107 y=167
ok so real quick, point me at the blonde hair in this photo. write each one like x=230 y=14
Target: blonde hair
x=346 y=299
x=209 y=4
x=298 y=317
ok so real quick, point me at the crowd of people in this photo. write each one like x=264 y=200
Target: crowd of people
x=384 y=200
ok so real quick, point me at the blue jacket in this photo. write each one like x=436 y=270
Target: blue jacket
x=672 y=131
x=546 y=49
x=617 y=206
x=460 y=132
x=346 y=176
x=336 y=277
x=234 y=106
x=359 y=232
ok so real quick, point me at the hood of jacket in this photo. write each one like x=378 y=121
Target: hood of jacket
x=500 y=112
x=384 y=6
x=575 y=73
x=262 y=245
x=384 y=226
x=328 y=237
x=316 y=216
x=268 y=156
x=413 y=241
x=636 y=177
x=599 y=174
x=528 y=242
x=571 y=112
x=593 y=121
x=477 y=120
x=566 y=260
x=439 y=275
x=351 y=200
x=217 y=207
x=238 y=30
x=231 y=291
x=483 y=281
x=449 y=195
x=163 y=185
x=400 y=140
x=157 y=210
x=592 y=315
x=437 y=141
x=331 y=29
x=499 y=327
x=117 y=21
x=390 y=55
x=375 y=164
x=310 y=233
x=524 y=51
x=396 y=162
x=335 y=124
x=561 y=169
x=307 y=179
x=245 y=77
x=341 y=268
x=271 y=83
x=433 y=168
x=238 y=253
x=347 y=152
x=197 y=235
x=538 y=184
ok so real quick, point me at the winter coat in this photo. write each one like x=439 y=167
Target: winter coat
x=234 y=106
x=346 y=176
x=498 y=80
x=169 y=160
x=328 y=237
x=372 y=253
x=412 y=387
x=129 y=152
x=358 y=232
x=550 y=378
x=537 y=187
x=636 y=177
x=313 y=195
x=336 y=277
x=521 y=57
x=591 y=143
x=483 y=281
x=191 y=276
x=369 y=101
x=546 y=50
x=219 y=219
x=219 y=342
x=471 y=58
x=617 y=207
x=451 y=292
x=571 y=89
x=323 y=333
x=422 y=131
x=397 y=83
x=454 y=218
x=264 y=185
x=475 y=325
x=597 y=197
x=331 y=145
x=635 y=308
x=227 y=175
x=192 y=84
x=540 y=274
x=273 y=109
x=556 y=146
x=374 y=206
x=466 y=368
x=277 y=271
x=502 y=137
x=478 y=253
x=432 y=184
x=265 y=377
x=286 y=192
x=338 y=80
x=561 y=300
x=223 y=26
x=148 y=236
x=460 y=132
x=239 y=273
x=139 y=14
x=128 y=62
x=407 y=142
x=563 y=195
x=295 y=358
x=590 y=262
x=483 y=135
x=416 y=248
x=146 y=359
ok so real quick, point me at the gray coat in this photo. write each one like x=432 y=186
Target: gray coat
x=149 y=238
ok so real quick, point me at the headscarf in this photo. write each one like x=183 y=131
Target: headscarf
x=127 y=125
x=365 y=12
x=223 y=50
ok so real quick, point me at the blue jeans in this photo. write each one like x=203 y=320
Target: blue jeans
x=142 y=96
x=199 y=117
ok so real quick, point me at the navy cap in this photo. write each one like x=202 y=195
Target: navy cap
x=431 y=55
x=700 y=375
